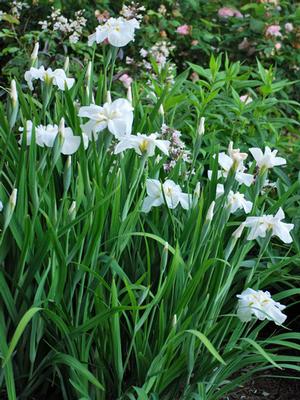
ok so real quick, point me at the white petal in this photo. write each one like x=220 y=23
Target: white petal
x=150 y=202
x=185 y=200
x=70 y=145
x=257 y=154
x=153 y=187
x=225 y=161
x=282 y=230
x=163 y=145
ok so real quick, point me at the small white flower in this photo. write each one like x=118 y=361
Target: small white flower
x=267 y=159
x=57 y=77
x=260 y=225
x=117 y=31
x=246 y=99
x=169 y=192
x=289 y=27
x=143 y=53
x=1 y=206
x=142 y=144
x=236 y=201
x=116 y=116
x=261 y=305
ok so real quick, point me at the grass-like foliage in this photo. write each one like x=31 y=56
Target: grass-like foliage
x=122 y=255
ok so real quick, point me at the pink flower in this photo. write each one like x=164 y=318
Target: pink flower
x=227 y=12
x=126 y=80
x=273 y=30
x=289 y=27
x=183 y=30
x=278 y=46
x=194 y=77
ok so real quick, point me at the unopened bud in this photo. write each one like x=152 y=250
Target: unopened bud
x=201 y=128
x=197 y=190
x=129 y=94
x=238 y=232
x=35 y=52
x=161 y=110
x=210 y=212
x=174 y=321
x=9 y=210
x=13 y=198
x=66 y=64
x=89 y=71
x=61 y=128
x=72 y=210
x=108 y=97
x=14 y=93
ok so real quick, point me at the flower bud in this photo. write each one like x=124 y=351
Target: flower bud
x=14 y=93
x=161 y=110
x=72 y=210
x=10 y=208
x=129 y=94
x=238 y=232
x=35 y=52
x=174 y=321
x=61 y=128
x=197 y=190
x=210 y=212
x=201 y=128
x=88 y=73
x=13 y=198
x=108 y=97
x=66 y=64
x=67 y=173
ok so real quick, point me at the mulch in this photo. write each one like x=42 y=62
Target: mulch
x=268 y=389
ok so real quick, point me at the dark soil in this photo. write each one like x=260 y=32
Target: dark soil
x=268 y=389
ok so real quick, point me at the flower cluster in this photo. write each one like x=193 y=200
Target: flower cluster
x=228 y=12
x=134 y=10
x=177 y=149
x=17 y=7
x=72 y=28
